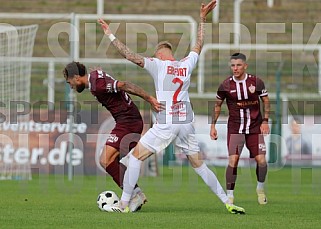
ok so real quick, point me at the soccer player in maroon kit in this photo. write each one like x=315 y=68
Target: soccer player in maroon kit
x=112 y=94
x=246 y=125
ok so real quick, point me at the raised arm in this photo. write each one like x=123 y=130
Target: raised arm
x=205 y=9
x=122 y=48
x=136 y=90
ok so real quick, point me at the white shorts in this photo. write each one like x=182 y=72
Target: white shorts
x=160 y=136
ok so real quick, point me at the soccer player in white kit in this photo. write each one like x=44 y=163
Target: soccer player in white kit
x=175 y=123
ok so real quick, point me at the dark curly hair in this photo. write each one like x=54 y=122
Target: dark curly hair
x=74 y=68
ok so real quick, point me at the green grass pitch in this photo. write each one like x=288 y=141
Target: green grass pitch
x=177 y=198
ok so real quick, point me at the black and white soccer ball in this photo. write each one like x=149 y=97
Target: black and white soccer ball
x=107 y=198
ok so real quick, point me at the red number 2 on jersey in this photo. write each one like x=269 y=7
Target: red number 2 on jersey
x=177 y=80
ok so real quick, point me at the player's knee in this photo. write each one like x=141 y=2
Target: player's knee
x=195 y=160
x=102 y=162
x=233 y=160
x=105 y=160
x=260 y=160
x=141 y=153
x=196 y=164
x=262 y=163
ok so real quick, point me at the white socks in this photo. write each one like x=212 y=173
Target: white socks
x=210 y=179
x=260 y=185
x=132 y=175
x=130 y=178
x=230 y=192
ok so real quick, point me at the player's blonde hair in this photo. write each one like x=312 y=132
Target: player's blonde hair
x=163 y=44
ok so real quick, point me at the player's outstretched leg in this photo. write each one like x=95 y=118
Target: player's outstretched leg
x=212 y=182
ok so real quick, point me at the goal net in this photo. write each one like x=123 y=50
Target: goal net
x=16 y=48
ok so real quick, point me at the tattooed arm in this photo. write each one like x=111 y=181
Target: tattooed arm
x=265 y=129
x=136 y=90
x=122 y=48
x=200 y=32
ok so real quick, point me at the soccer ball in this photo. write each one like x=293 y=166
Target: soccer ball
x=106 y=198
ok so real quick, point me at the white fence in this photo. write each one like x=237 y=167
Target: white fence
x=74 y=46
x=74 y=37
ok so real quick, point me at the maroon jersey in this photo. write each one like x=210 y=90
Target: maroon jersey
x=117 y=102
x=243 y=102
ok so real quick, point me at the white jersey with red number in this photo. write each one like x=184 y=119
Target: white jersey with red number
x=172 y=80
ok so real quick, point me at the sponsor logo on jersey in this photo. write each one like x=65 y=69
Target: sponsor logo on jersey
x=247 y=103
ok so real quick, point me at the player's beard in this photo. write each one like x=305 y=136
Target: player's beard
x=80 y=88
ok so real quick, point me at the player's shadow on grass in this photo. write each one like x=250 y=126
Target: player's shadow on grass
x=190 y=210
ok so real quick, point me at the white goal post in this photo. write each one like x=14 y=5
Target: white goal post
x=16 y=43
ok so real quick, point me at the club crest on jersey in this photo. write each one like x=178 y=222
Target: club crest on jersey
x=252 y=88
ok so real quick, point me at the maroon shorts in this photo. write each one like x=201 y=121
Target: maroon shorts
x=125 y=136
x=254 y=143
